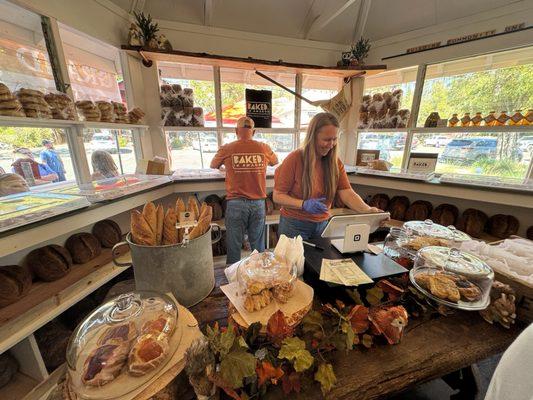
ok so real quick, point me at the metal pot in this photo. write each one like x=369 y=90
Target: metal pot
x=186 y=269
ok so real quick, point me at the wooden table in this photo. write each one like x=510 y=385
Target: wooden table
x=429 y=349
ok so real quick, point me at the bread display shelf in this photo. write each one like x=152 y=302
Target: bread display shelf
x=19 y=387
x=64 y=123
x=47 y=300
x=111 y=125
x=469 y=129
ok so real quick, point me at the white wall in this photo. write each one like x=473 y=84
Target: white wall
x=515 y=13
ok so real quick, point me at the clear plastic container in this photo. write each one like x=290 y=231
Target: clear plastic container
x=263 y=277
x=452 y=277
x=122 y=344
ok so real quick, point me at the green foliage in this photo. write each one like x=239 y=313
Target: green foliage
x=326 y=377
x=122 y=141
x=24 y=137
x=360 y=50
x=237 y=365
x=504 y=168
x=293 y=349
x=178 y=143
x=147 y=27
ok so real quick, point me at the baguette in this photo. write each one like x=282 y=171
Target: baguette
x=150 y=215
x=203 y=224
x=141 y=232
x=170 y=234
x=202 y=209
x=160 y=216
x=181 y=233
x=192 y=206
x=180 y=207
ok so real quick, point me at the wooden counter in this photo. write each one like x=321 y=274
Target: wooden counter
x=429 y=349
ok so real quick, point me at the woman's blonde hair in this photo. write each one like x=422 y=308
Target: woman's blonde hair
x=310 y=157
x=103 y=163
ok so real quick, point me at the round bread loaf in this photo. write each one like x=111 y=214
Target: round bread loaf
x=52 y=340
x=8 y=368
x=49 y=263
x=380 y=200
x=529 y=233
x=107 y=232
x=420 y=210
x=502 y=226
x=15 y=282
x=83 y=247
x=398 y=205
x=215 y=202
x=445 y=214
x=472 y=222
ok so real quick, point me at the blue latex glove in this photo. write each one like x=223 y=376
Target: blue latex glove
x=315 y=206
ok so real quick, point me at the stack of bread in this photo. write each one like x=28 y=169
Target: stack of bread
x=121 y=112
x=9 y=104
x=381 y=111
x=155 y=227
x=33 y=103
x=136 y=115
x=107 y=111
x=88 y=111
x=177 y=107
x=61 y=105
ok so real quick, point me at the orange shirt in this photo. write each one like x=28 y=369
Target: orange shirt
x=246 y=162
x=288 y=180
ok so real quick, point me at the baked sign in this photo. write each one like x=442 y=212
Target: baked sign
x=248 y=162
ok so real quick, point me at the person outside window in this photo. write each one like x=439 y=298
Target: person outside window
x=42 y=173
x=50 y=157
x=308 y=180
x=103 y=165
x=245 y=161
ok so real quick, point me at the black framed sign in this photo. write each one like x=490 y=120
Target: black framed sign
x=422 y=162
x=259 y=107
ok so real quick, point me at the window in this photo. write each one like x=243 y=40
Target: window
x=493 y=82
x=315 y=88
x=233 y=85
x=197 y=77
x=280 y=143
x=390 y=145
x=93 y=67
x=192 y=149
x=104 y=145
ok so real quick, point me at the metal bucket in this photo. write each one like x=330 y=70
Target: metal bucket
x=186 y=270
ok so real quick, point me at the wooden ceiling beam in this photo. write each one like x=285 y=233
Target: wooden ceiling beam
x=362 y=17
x=208 y=12
x=325 y=19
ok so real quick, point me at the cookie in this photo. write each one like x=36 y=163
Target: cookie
x=444 y=288
x=468 y=290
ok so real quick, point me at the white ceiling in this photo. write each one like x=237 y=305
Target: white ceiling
x=321 y=20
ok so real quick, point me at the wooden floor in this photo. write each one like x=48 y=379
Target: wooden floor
x=429 y=349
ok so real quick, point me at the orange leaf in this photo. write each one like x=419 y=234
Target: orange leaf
x=266 y=371
x=359 y=318
x=277 y=328
x=291 y=383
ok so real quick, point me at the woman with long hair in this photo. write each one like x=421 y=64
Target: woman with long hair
x=103 y=165
x=310 y=178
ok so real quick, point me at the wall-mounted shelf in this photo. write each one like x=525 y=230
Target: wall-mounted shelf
x=36 y=122
x=382 y=130
x=189 y=128
x=475 y=129
x=111 y=125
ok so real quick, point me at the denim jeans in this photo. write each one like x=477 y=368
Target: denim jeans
x=292 y=227
x=244 y=215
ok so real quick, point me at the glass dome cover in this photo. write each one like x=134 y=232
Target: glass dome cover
x=452 y=277
x=122 y=344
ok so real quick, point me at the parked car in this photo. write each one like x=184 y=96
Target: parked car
x=525 y=143
x=437 y=141
x=104 y=140
x=209 y=145
x=468 y=151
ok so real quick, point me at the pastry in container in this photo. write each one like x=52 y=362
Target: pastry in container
x=122 y=344
x=452 y=277
x=263 y=277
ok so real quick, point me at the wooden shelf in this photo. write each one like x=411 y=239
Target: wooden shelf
x=36 y=122
x=47 y=300
x=247 y=63
x=18 y=388
x=111 y=125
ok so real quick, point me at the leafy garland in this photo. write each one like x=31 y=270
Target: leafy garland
x=245 y=363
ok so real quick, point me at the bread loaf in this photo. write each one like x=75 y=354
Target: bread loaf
x=170 y=233
x=141 y=232
x=150 y=215
x=107 y=232
x=8 y=368
x=203 y=224
x=192 y=206
x=529 y=233
x=502 y=226
x=160 y=216
x=398 y=206
x=418 y=211
x=473 y=222
x=380 y=200
x=49 y=263
x=52 y=340
x=445 y=214
x=180 y=207
x=83 y=247
x=15 y=283
x=216 y=204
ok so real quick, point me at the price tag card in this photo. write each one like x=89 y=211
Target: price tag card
x=366 y=156
x=422 y=162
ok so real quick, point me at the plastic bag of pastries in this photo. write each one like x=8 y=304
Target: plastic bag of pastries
x=365 y=102
x=15 y=283
x=502 y=226
x=107 y=232
x=387 y=97
x=49 y=263
x=445 y=214
x=473 y=222
x=33 y=103
x=398 y=206
x=61 y=105
x=121 y=112
x=107 y=111
x=88 y=111
x=165 y=96
x=379 y=200
x=186 y=117
x=419 y=210
x=396 y=99
x=83 y=247
x=187 y=97
x=136 y=115
x=9 y=104
x=377 y=103
x=177 y=90
x=198 y=116
x=363 y=120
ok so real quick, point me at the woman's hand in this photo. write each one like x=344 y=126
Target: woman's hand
x=374 y=210
x=315 y=206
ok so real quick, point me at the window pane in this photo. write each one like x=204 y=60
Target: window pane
x=390 y=145
x=233 y=85
x=192 y=149
x=21 y=148
x=497 y=154
x=197 y=77
x=93 y=67
x=24 y=60
x=110 y=152
x=316 y=88
x=280 y=143
x=494 y=82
